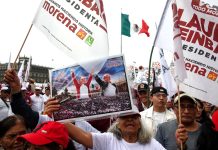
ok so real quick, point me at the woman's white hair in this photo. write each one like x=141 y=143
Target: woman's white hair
x=144 y=136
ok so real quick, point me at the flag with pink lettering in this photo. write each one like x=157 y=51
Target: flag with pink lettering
x=78 y=27
x=198 y=24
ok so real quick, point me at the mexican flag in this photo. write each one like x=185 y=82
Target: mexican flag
x=126 y=25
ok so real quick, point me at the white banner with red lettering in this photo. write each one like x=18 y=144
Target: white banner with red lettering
x=198 y=24
x=78 y=27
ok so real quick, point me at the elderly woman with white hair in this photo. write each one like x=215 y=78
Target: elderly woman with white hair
x=127 y=133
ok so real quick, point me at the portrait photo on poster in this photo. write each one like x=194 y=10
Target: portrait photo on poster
x=93 y=89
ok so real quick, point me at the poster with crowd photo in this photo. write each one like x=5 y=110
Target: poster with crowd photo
x=93 y=89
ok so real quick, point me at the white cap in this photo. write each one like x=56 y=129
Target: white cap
x=4 y=88
x=23 y=88
x=186 y=96
x=37 y=88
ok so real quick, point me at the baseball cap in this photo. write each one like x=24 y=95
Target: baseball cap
x=159 y=90
x=215 y=120
x=142 y=87
x=47 y=88
x=4 y=88
x=37 y=88
x=46 y=133
x=185 y=96
x=23 y=89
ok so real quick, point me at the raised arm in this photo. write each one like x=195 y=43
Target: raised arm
x=74 y=79
x=79 y=135
x=18 y=104
x=99 y=81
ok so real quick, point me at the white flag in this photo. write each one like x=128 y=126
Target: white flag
x=9 y=62
x=165 y=34
x=20 y=72
x=169 y=38
x=167 y=78
x=198 y=24
x=180 y=71
x=27 y=70
x=76 y=27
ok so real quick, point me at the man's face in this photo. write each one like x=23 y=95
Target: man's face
x=37 y=92
x=143 y=97
x=107 y=78
x=4 y=94
x=159 y=100
x=47 y=92
x=188 y=111
x=83 y=80
x=23 y=93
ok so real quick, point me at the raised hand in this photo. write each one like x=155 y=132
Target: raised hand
x=51 y=106
x=12 y=79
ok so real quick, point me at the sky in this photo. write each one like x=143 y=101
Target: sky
x=17 y=16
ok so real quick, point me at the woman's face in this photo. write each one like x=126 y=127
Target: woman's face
x=9 y=140
x=129 y=125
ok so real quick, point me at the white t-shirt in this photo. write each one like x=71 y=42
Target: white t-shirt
x=37 y=103
x=45 y=97
x=4 y=110
x=107 y=141
x=159 y=117
x=110 y=90
x=84 y=92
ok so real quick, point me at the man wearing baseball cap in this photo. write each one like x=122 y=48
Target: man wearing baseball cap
x=37 y=100
x=158 y=113
x=49 y=135
x=5 y=107
x=142 y=95
x=172 y=134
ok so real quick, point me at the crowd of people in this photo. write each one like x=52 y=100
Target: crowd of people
x=26 y=122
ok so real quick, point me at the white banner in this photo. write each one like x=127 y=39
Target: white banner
x=76 y=27
x=28 y=70
x=21 y=71
x=180 y=70
x=168 y=81
x=198 y=24
x=199 y=32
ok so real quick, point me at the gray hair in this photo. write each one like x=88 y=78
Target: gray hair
x=144 y=136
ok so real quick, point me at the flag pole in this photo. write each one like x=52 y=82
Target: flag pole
x=155 y=39
x=154 y=77
x=179 y=107
x=22 y=46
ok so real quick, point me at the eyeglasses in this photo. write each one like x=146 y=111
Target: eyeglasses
x=184 y=106
x=160 y=95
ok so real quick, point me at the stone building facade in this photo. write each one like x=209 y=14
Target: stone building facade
x=39 y=73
